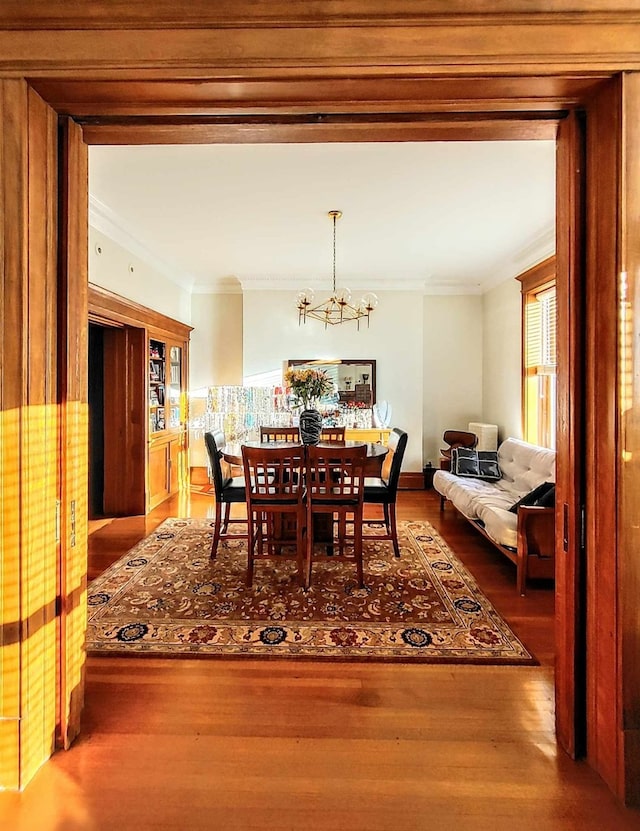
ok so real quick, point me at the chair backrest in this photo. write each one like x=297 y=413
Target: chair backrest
x=457 y=438
x=279 y=434
x=273 y=475
x=332 y=434
x=213 y=443
x=397 y=444
x=336 y=474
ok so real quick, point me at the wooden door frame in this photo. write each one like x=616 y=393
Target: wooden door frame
x=572 y=732
x=283 y=71
x=570 y=689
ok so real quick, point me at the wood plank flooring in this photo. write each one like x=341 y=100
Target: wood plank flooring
x=189 y=745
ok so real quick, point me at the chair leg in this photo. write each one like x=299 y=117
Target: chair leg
x=394 y=528
x=357 y=546
x=387 y=522
x=342 y=532
x=261 y=519
x=251 y=542
x=301 y=547
x=227 y=514
x=216 y=531
x=441 y=503
x=309 y=549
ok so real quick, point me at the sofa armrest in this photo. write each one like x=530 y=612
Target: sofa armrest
x=536 y=543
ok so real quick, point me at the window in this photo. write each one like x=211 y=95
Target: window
x=539 y=327
x=270 y=378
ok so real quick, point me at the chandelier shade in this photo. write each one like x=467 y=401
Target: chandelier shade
x=338 y=308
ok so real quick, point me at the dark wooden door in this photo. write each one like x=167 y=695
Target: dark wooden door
x=570 y=630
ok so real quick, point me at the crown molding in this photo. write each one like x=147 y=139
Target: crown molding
x=109 y=223
x=540 y=247
x=220 y=285
x=451 y=288
x=263 y=282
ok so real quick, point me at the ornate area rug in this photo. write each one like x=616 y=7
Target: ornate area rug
x=165 y=597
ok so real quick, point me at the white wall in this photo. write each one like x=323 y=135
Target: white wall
x=271 y=335
x=145 y=285
x=501 y=359
x=442 y=361
x=453 y=369
x=216 y=340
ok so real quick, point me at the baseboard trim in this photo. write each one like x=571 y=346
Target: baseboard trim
x=199 y=476
x=411 y=482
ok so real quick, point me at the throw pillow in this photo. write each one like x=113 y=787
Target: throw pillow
x=481 y=464
x=488 y=464
x=542 y=496
x=464 y=462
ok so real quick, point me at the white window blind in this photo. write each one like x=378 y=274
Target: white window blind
x=540 y=360
x=540 y=332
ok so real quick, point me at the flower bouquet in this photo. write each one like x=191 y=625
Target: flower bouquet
x=307 y=386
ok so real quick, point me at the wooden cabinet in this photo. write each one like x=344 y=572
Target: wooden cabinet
x=145 y=367
x=159 y=485
x=167 y=416
x=165 y=461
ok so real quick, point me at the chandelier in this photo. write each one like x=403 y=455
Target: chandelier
x=338 y=308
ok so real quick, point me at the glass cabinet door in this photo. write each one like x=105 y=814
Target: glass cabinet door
x=157 y=385
x=175 y=385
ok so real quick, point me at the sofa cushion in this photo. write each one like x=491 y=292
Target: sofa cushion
x=500 y=524
x=468 y=493
x=542 y=496
x=481 y=464
x=525 y=465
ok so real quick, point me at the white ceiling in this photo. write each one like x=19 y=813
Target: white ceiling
x=439 y=216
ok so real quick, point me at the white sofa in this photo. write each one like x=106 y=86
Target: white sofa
x=526 y=537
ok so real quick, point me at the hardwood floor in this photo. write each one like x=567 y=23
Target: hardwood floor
x=248 y=744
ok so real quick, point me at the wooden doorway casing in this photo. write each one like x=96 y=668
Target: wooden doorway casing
x=481 y=82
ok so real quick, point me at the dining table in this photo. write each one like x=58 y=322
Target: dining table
x=232 y=451
x=232 y=454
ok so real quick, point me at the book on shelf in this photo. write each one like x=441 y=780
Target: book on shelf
x=156 y=371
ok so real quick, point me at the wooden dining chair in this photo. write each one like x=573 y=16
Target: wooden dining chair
x=332 y=434
x=335 y=487
x=384 y=491
x=279 y=434
x=275 y=494
x=227 y=489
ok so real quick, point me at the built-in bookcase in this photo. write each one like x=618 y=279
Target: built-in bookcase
x=157 y=396
x=167 y=413
x=165 y=386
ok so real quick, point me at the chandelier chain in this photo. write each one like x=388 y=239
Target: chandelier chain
x=335 y=217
